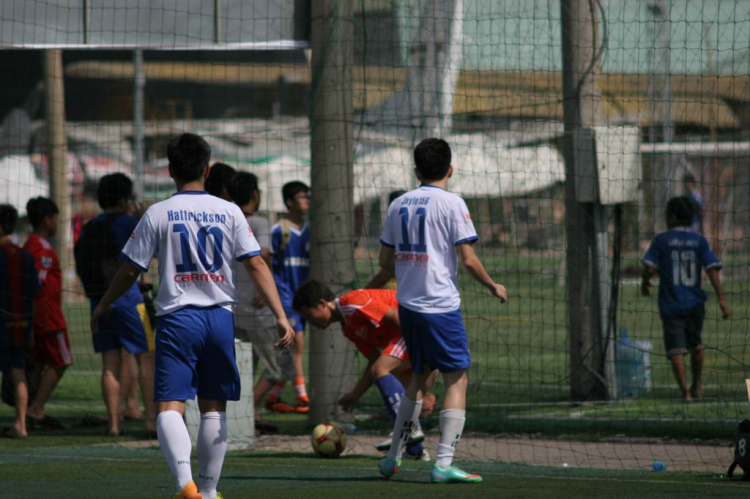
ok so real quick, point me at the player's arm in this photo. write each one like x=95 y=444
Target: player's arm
x=123 y=281
x=379 y=280
x=261 y=275
x=474 y=266
x=349 y=400
x=648 y=273
x=391 y=317
x=713 y=276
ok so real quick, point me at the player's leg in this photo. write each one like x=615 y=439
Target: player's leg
x=694 y=332
x=20 y=389
x=146 y=383
x=265 y=352
x=54 y=352
x=176 y=380
x=129 y=404
x=302 y=404
x=111 y=388
x=218 y=382
x=675 y=342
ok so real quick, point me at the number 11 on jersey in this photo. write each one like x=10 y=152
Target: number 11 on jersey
x=420 y=246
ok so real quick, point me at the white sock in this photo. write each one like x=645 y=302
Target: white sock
x=212 y=446
x=451 y=426
x=406 y=418
x=174 y=440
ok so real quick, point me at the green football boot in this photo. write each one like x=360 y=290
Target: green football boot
x=453 y=475
x=388 y=466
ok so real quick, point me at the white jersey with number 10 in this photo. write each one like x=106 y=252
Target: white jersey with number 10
x=197 y=239
x=424 y=226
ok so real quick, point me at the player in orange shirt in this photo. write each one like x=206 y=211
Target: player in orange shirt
x=369 y=319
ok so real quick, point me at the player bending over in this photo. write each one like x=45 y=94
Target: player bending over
x=369 y=319
x=423 y=231
x=196 y=238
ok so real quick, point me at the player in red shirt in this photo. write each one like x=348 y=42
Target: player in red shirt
x=18 y=285
x=369 y=319
x=51 y=352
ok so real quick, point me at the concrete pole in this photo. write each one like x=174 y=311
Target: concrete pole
x=331 y=214
x=139 y=85
x=54 y=100
x=585 y=217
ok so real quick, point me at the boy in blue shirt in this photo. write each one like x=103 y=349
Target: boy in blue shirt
x=290 y=241
x=677 y=257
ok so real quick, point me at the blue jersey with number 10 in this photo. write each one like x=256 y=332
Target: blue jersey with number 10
x=679 y=255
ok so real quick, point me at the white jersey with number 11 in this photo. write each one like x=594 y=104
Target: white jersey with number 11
x=424 y=226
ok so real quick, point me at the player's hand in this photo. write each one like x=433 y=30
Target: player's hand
x=500 y=292
x=726 y=311
x=286 y=333
x=98 y=313
x=258 y=301
x=646 y=288
x=348 y=402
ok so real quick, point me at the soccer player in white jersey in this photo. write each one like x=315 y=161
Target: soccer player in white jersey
x=423 y=231
x=196 y=237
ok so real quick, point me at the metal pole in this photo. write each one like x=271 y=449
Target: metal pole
x=138 y=115
x=217 y=22
x=331 y=214
x=86 y=21
x=54 y=100
x=585 y=217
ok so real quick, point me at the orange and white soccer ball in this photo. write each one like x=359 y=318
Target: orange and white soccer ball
x=328 y=440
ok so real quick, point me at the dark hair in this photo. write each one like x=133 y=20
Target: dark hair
x=688 y=177
x=113 y=188
x=433 y=159
x=8 y=219
x=39 y=208
x=681 y=209
x=219 y=177
x=395 y=195
x=291 y=189
x=242 y=187
x=188 y=156
x=309 y=295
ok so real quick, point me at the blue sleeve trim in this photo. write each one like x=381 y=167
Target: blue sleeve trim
x=133 y=263
x=467 y=240
x=387 y=245
x=248 y=255
x=651 y=264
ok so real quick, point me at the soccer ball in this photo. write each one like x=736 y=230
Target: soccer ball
x=328 y=440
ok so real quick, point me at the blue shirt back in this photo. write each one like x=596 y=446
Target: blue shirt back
x=291 y=262
x=19 y=282
x=121 y=228
x=679 y=255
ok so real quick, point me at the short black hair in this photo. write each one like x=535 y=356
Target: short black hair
x=242 y=187
x=432 y=158
x=681 y=209
x=395 y=195
x=688 y=177
x=8 y=219
x=113 y=188
x=309 y=295
x=291 y=189
x=39 y=208
x=219 y=177
x=188 y=156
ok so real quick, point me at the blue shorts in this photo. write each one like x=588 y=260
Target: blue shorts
x=195 y=356
x=438 y=340
x=13 y=358
x=126 y=326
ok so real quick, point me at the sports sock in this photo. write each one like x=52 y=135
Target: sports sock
x=299 y=387
x=212 y=446
x=408 y=414
x=451 y=426
x=174 y=440
x=392 y=391
x=276 y=390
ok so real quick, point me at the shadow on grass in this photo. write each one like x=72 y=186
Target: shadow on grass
x=328 y=479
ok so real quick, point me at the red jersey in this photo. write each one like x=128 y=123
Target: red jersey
x=363 y=312
x=48 y=315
